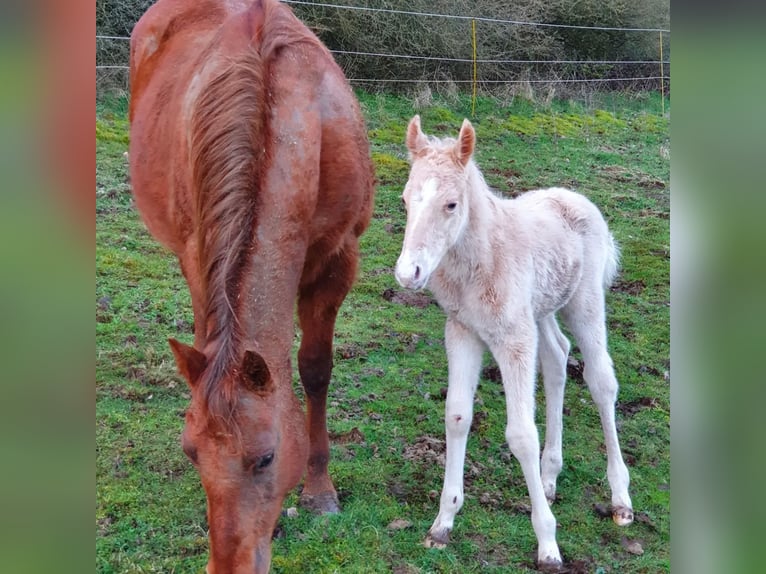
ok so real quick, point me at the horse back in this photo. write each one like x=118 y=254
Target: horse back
x=315 y=166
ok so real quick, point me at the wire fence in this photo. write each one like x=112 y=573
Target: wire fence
x=443 y=70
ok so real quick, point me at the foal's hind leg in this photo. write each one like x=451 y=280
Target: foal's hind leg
x=516 y=359
x=585 y=317
x=554 y=349
x=318 y=304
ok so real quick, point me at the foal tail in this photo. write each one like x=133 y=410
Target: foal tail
x=227 y=149
x=612 y=264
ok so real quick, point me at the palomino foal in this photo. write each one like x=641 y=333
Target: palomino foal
x=501 y=269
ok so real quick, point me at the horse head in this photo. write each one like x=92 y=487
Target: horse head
x=250 y=450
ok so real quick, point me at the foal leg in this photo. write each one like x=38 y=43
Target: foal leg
x=318 y=304
x=587 y=322
x=554 y=349
x=464 y=356
x=517 y=366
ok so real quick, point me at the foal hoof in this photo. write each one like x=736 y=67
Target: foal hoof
x=323 y=503
x=622 y=516
x=437 y=539
x=550 y=566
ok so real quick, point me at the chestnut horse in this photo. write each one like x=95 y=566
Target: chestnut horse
x=250 y=161
x=502 y=269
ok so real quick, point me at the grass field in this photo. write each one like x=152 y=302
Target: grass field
x=387 y=396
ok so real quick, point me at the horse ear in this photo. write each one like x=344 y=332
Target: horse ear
x=255 y=372
x=466 y=141
x=191 y=363
x=416 y=139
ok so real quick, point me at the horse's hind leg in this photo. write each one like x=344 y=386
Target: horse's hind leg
x=318 y=303
x=553 y=348
x=586 y=318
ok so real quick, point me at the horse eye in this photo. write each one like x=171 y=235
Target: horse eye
x=264 y=461
x=451 y=206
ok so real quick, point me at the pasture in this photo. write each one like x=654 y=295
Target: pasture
x=386 y=401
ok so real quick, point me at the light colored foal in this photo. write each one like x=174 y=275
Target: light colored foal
x=501 y=269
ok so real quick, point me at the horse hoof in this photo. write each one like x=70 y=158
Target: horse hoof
x=437 y=539
x=622 y=516
x=324 y=503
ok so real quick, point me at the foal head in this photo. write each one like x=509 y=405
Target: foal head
x=436 y=198
x=249 y=449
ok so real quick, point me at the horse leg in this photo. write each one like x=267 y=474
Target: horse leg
x=318 y=305
x=464 y=356
x=554 y=349
x=587 y=322
x=190 y=270
x=516 y=360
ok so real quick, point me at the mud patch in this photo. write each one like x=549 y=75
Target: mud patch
x=632 y=407
x=354 y=436
x=492 y=373
x=625 y=175
x=426 y=449
x=409 y=298
x=630 y=287
x=574 y=369
x=350 y=351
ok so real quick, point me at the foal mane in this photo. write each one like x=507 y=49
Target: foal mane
x=228 y=152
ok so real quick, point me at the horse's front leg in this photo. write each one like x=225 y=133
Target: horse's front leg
x=464 y=356
x=318 y=305
x=516 y=359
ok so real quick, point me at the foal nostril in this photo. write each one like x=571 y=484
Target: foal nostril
x=417 y=273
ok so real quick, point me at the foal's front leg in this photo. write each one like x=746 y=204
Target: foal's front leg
x=464 y=356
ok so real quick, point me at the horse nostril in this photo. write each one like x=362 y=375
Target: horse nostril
x=417 y=272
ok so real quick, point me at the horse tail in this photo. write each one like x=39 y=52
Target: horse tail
x=612 y=260
x=227 y=153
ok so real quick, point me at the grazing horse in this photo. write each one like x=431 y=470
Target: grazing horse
x=250 y=161
x=501 y=269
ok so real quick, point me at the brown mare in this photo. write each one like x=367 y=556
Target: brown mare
x=250 y=161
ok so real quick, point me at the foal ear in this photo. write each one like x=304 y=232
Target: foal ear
x=190 y=362
x=466 y=141
x=416 y=139
x=255 y=372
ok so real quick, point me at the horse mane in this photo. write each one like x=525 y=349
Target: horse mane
x=228 y=152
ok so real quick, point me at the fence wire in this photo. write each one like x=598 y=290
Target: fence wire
x=660 y=63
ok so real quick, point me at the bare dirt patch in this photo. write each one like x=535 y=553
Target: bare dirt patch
x=426 y=449
x=631 y=287
x=354 y=436
x=409 y=298
x=632 y=407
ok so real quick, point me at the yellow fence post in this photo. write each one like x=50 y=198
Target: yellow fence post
x=475 y=73
x=662 y=76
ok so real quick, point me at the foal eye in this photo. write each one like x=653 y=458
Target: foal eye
x=451 y=206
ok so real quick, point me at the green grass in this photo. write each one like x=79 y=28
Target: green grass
x=390 y=367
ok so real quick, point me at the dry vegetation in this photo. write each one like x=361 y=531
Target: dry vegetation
x=390 y=33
